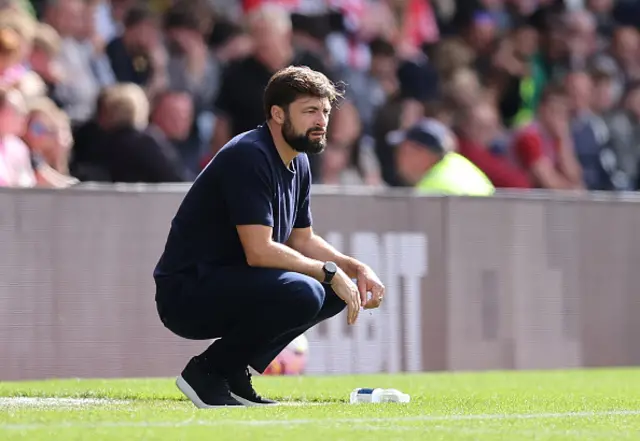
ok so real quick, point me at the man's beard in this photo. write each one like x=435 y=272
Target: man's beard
x=302 y=143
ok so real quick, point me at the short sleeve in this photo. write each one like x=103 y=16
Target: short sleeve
x=247 y=185
x=303 y=216
x=528 y=148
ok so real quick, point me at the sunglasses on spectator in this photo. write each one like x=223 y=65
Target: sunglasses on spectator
x=40 y=129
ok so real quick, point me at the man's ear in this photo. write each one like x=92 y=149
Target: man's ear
x=278 y=114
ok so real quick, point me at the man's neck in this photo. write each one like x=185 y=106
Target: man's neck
x=287 y=154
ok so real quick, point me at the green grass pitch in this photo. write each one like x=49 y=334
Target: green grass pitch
x=553 y=405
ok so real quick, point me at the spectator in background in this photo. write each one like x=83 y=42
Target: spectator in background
x=171 y=119
x=127 y=152
x=626 y=53
x=109 y=17
x=479 y=33
x=370 y=90
x=172 y=114
x=138 y=55
x=589 y=131
x=400 y=113
x=309 y=33
x=43 y=58
x=387 y=119
x=18 y=5
x=503 y=52
x=428 y=162
x=544 y=148
x=354 y=26
x=603 y=101
x=16 y=39
x=627 y=12
x=443 y=110
x=518 y=80
x=228 y=42
x=605 y=21
x=477 y=128
x=85 y=137
x=624 y=126
x=345 y=161
x=239 y=107
x=95 y=45
x=11 y=70
x=338 y=166
x=581 y=38
x=622 y=59
x=21 y=22
x=463 y=88
x=48 y=135
x=15 y=161
x=192 y=68
x=79 y=87
x=452 y=55
x=553 y=54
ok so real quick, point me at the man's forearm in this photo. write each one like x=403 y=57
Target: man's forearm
x=317 y=248
x=280 y=256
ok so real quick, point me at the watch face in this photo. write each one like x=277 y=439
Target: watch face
x=331 y=267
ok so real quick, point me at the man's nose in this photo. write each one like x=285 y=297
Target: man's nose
x=322 y=121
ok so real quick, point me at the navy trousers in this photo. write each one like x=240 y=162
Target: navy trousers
x=253 y=312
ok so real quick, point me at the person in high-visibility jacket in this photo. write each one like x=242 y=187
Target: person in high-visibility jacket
x=427 y=161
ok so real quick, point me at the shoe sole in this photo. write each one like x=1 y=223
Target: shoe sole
x=246 y=402
x=195 y=399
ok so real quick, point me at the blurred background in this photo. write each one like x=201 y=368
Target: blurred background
x=536 y=93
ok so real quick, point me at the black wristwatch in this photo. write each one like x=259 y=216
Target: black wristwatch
x=330 y=269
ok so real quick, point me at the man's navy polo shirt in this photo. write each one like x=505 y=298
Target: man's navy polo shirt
x=245 y=183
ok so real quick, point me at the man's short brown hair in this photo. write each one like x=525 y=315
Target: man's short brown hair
x=293 y=82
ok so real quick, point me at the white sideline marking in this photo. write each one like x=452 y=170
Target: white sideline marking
x=298 y=422
x=16 y=402
x=56 y=402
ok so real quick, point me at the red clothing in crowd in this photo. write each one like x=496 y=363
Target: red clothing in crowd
x=531 y=144
x=501 y=172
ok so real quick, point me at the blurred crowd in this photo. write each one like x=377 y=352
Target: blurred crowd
x=535 y=93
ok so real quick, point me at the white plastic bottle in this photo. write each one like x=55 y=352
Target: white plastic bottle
x=378 y=395
x=365 y=395
x=394 y=396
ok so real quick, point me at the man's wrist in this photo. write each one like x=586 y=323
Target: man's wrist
x=351 y=267
x=330 y=270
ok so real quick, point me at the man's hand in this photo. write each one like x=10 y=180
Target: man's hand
x=344 y=288
x=368 y=281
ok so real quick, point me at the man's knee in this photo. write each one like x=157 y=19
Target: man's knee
x=306 y=294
